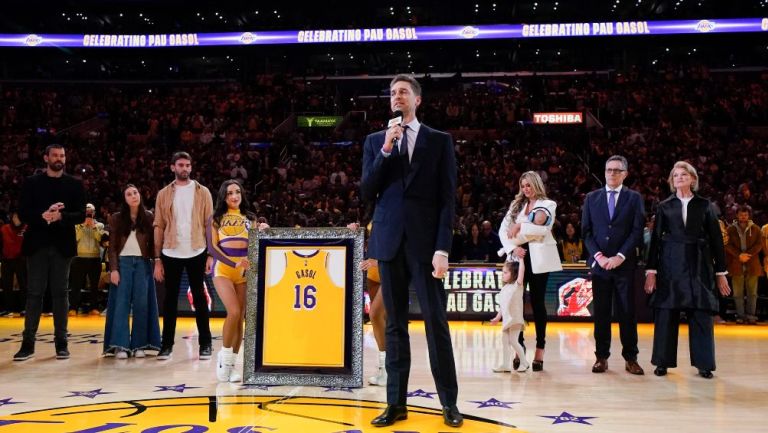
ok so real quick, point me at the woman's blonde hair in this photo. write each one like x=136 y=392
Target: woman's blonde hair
x=520 y=200
x=688 y=168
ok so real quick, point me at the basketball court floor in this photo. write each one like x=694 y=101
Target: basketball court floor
x=88 y=393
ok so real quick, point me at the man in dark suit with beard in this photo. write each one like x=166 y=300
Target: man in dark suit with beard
x=409 y=170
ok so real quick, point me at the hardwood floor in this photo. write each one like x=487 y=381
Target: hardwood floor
x=566 y=397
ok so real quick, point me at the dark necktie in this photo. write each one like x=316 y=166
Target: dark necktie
x=404 y=142
x=611 y=203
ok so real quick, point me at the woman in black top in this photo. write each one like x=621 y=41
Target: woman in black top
x=686 y=262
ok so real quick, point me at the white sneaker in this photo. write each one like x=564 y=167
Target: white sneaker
x=524 y=366
x=235 y=376
x=139 y=354
x=122 y=354
x=380 y=379
x=224 y=365
x=501 y=368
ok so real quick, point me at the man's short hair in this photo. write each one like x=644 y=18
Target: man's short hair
x=619 y=158
x=408 y=79
x=745 y=208
x=180 y=155
x=52 y=146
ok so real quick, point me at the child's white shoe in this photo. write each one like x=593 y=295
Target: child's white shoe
x=502 y=368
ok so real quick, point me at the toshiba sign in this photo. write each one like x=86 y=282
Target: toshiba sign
x=558 y=118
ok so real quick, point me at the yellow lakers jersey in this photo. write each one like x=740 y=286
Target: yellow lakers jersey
x=304 y=314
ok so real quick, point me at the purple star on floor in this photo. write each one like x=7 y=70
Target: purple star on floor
x=5 y=401
x=90 y=394
x=421 y=393
x=566 y=417
x=338 y=388
x=258 y=387
x=494 y=403
x=175 y=388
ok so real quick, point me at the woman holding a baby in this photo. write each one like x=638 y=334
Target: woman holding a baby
x=526 y=234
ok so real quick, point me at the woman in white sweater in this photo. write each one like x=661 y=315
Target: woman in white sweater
x=522 y=238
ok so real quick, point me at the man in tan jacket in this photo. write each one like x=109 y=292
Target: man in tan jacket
x=742 y=254
x=182 y=209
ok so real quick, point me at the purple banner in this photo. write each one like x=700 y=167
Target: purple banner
x=390 y=34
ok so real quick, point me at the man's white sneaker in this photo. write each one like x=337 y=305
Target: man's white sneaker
x=139 y=354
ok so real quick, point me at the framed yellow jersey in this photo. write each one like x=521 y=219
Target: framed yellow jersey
x=304 y=307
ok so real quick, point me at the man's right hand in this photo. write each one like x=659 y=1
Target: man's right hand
x=396 y=131
x=159 y=271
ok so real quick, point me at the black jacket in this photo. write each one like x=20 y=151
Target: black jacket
x=686 y=257
x=38 y=193
x=415 y=202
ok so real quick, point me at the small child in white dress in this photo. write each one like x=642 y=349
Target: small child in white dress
x=511 y=316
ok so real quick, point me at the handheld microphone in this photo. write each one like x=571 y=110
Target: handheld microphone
x=397 y=120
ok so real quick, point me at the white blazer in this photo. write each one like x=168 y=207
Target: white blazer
x=541 y=244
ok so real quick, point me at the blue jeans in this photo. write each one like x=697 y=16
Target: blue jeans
x=136 y=292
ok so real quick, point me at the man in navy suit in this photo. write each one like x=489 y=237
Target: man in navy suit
x=612 y=228
x=409 y=170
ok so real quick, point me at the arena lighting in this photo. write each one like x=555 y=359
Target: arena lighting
x=390 y=34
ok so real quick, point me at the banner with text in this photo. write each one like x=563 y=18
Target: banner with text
x=390 y=34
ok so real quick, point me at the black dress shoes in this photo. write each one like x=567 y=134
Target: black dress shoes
x=706 y=374
x=660 y=371
x=392 y=413
x=452 y=417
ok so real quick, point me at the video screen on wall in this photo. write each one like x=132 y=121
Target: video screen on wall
x=473 y=292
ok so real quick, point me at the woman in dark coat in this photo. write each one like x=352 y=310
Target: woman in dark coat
x=686 y=261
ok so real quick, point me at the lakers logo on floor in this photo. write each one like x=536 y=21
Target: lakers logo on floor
x=234 y=414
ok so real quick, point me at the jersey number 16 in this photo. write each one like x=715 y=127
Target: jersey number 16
x=309 y=299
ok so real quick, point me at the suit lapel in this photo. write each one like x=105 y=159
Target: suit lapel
x=602 y=204
x=621 y=204
x=419 y=153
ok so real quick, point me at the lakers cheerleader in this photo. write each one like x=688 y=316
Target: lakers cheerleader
x=227 y=232
x=377 y=313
